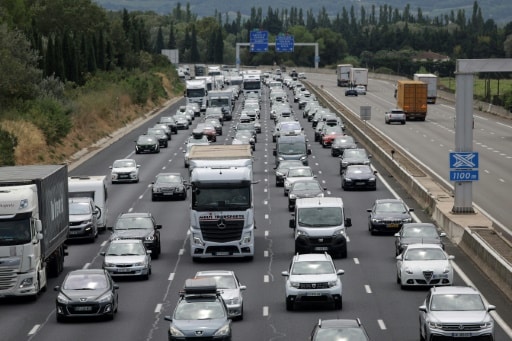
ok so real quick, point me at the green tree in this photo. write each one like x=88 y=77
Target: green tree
x=159 y=45
x=8 y=143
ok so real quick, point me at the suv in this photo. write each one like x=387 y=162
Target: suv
x=455 y=312
x=313 y=278
x=138 y=226
x=342 y=329
x=200 y=313
x=124 y=170
x=320 y=226
x=83 y=218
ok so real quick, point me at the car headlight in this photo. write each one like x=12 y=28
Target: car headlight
x=108 y=265
x=303 y=158
x=139 y=264
x=340 y=232
x=234 y=300
x=348 y=179
x=435 y=325
x=344 y=163
x=487 y=324
x=320 y=195
x=151 y=237
x=332 y=283
x=280 y=158
x=407 y=220
x=175 y=331
x=157 y=189
x=376 y=221
x=247 y=238
x=294 y=284
x=447 y=269
x=61 y=298
x=196 y=239
x=292 y=196
x=408 y=271
x=371 y=179
x=224 y=330
x=286 y=183
x=105 y=298
x=301 y=233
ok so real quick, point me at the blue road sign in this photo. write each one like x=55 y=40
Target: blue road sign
x=464 y=160
x=284 y=43
x=464 y=175
x=259 y=41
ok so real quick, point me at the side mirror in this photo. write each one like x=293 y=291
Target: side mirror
x=103 y=253
x=423 y=308
x=285 y=273
x=158 y=227
x=309 y=151
x=348 y=222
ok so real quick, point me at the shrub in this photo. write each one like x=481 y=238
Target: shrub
x=51 y=117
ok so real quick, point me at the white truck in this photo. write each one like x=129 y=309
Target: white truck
x=359 y=76
x=222 y=99
x=34 y=226
x=343 y=74
x=251 y=82
x=196 y=92
x=431 y=81
x=222 y=210
x=95 y=187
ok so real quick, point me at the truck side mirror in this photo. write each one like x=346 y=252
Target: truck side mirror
x=309 y=151
x=348 y=222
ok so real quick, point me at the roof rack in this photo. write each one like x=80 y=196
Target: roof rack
x=200 y=286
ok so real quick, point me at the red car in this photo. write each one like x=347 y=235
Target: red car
x=208 y=131
x=328 y=138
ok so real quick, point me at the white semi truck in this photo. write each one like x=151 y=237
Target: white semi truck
x=34 y=226
x=196 y=92
x=222 y=210
x=343 y=74
x=431 y=81
x=359 y=76
x=222 y=99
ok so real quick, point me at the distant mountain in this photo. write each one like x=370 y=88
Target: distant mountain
x=498 y=10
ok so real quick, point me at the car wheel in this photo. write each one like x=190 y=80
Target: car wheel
x=60 y=318
x=146 y=276
x=343 y=253
x=398 y=281
x=339 y=305
x=289 y=304
x=290 y=208
x=403 y=122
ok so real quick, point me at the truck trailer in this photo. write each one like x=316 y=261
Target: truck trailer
x=431 y=81
x=411 y=97
x=234 y=155
x=359 y=76
x=34 y=227
x=343 y=74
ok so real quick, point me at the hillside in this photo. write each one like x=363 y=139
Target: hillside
x=499 y=10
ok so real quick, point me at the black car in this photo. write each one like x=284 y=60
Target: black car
x=342 y=329
x=282 y=169
x=86 y=293
x=351 y=92
x=168 y=186
x=139 y=226
x=163 y=140
x=341 y=143
x=411 y=233
x=359 y=177
x=147 y=144
x=354 y=156
x=171 y=123
x=304 y=189
x=388 y=215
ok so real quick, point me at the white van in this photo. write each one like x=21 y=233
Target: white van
x=94 y=187
x=320 y=226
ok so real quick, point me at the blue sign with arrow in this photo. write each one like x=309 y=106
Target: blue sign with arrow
x=258 y=41
x=284 y=43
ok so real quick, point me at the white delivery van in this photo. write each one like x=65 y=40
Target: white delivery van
x=95 y=187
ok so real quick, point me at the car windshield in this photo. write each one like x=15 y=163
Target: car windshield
x=123 y=164
x=312 y=268
x=237 y=198
x=200 y=310
x=289 y=126
x=168 y=178
x=390 y=207
x=424 y=254
x=146 y=139
x=222 y=281
x=456 y=302
x=299 y=172
x=292 y=148
x=85 y=282
x=359 y=171
x=320 y=216
x=354 y=153
x=126 y=249
x=423 y=231
x=306 y=186
x=133 y=223
x=78 y=208
x=344 y=140
x=331 y=334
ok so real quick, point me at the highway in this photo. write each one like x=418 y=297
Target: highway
x=370 y=291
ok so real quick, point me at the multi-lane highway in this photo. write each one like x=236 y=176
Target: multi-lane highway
x=369 y=287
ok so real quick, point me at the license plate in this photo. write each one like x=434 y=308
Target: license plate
x=360 y=183
x=123 y=270
x=84 y=308
x=393 y=226
x=321 y=248
x=314 y=294
x=168 y=193
x=222 y=254
x=123 y=176
x=461 y=334
x=74 y=232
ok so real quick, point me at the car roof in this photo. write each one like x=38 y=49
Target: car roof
x=124 y=160
x=215 y=272
x=424 y=246
x=382 y=201
x=416 y=225
x=81 y=199
x=86 y=271
x=453 y=290
x=312 y=257
x=126 y=241
x=316 y=202
x=339 y=323
x=136 y=215
x=168 y=174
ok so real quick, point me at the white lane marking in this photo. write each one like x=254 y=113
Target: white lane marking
x=501 y=180
x=265 y=202
x=266 y=216
x=34 y=329
x=265 y=311
x=382 y=325
x=130 y=209
x=104 y=243
x=367 y=289
x=265 y=190
x=265 y=253
x=171 y=276
x=356 y=260
x=266 y=279
x=158 y=308
x=181 y=252
x=348 y=239
x=141 y=196
x=86 y=266
x=266 y=233
x=505 y=125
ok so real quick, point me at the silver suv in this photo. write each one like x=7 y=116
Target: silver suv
x=313 y=278
x=456 y=311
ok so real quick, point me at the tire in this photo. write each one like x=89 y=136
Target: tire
x=289 y=304
x=339 y=305
x=422 y=338
x=60 y=318
x=403 y=122
x=398 y=279
x=342 y=253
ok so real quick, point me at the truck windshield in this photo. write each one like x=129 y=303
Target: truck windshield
x=291 y=148
x=320 y=216
x=221 y=198
x=15 y=232
x=252 y=85
x=196 y=93
x=219 y=102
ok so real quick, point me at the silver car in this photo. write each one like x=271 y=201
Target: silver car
x=126 y=258
x=83 y=219
x=455 y=312
x=230 y=290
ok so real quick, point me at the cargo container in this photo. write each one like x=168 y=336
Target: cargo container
x=343 y=74
x=411 y=97
x=359 y=76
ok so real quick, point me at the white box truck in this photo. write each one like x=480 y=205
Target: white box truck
x=359 y=76
x=431 y=81
x=343 y=74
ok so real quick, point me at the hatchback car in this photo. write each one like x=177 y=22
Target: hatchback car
x=83 y=219
x=342 y=329
x=423 y=264
x=127 y=258
x=147 y=144
x=139 y=226
x=313 y=278
x=355 y=156
x=359 y=177
x=304 y=189
x=86 y=293
x=230 y=290
x=388 y=215
x=162 y=137
x=171 y=123
x=168 y=186
x=455 y=312
x=124 y=170
x=412 y=233
x=297 y=174
x=244 y=137
x=351 y=92
x=282 y=169
x=340 y=143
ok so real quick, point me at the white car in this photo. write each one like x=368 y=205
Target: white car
x=230 y=290
x=361 y=89
x=127 y=258
x=124 y=170
x=295 y=174
x=313 y=278
x=422 y=265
